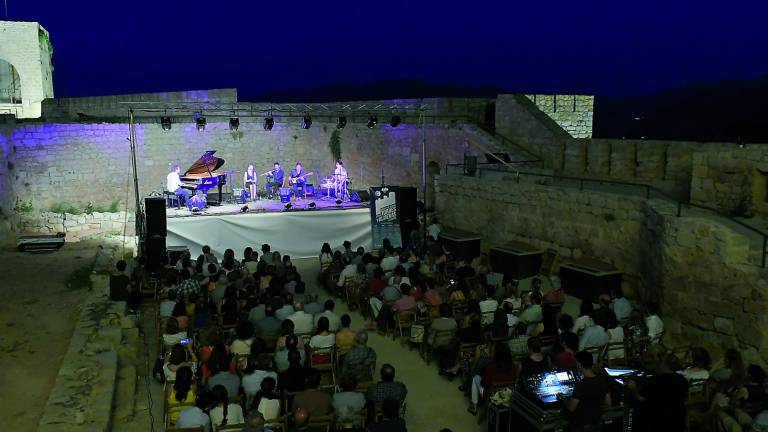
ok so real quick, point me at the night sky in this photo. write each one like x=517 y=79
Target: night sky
x=264 y=47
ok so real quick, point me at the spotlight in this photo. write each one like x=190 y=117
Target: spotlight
x=288 y=206
x=165 y=123
x=234 y=123
x=372 y=121
x=395 y=121
x=195 y=210
x=342 y=122
x=338 y=201
x=269 y=123
x=311 y=204
x=244 y=209
x=306 y=122
x=200 y=122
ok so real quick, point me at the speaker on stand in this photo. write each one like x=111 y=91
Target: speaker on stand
x=156 y=230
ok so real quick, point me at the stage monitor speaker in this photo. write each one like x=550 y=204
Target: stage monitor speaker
x=364 y=195
x=463 y=245
x=516 y=260
x=309 y=189
x=587 y=279
x=154 y=211
x=154 y=251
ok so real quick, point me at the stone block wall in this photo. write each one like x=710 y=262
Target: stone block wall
x=574 y=113
x=733 y=180
x=21 y=45
x=698 y=268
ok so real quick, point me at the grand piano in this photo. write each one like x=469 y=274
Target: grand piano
x=202 y=175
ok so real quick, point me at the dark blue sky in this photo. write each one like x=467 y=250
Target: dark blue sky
x=606 y=48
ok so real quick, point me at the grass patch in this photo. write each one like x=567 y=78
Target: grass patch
x=79 y=279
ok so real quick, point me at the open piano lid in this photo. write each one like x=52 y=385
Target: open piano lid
x=207 y=163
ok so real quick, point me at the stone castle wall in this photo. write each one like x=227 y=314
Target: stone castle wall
x=698 y=268
x=25 y=46
x=573 y=113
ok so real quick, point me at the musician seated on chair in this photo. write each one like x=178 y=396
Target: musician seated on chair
x=298 y=178
x=275 y=179
x=173 y=183
x=339 y=178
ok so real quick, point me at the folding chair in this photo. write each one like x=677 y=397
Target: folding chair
x=403 y=322
x=321 y=359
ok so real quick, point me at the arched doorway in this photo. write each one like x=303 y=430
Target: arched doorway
x=10 y=84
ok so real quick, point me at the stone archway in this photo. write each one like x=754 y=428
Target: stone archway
x=433 y=170
x=10 y=83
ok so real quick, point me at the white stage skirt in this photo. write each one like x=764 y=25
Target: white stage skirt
x=299 y=234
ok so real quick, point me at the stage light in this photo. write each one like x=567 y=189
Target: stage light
x=269 y=123
x=312 y=204
x=306 y=122
x=338 y=202
x=234 y=123
x=288 y=206
x=372 y=121
x=395 y=121
x=342 y=122
x=195 y=210
x=200 y=122
x=165 y=123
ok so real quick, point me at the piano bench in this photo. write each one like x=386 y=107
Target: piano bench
x=171 y=199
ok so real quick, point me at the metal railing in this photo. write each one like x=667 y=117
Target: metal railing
x=649 y=192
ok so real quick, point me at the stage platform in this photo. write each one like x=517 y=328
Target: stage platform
x=298 y=232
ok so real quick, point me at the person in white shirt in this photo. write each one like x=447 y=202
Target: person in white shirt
x=391 y=261
x=173 y=183
x=333 y=320
x=339 y=179
x=620 y=305
x=653 y=322
x=224 y=413
x=488 y=306
x=585 y=317
x=302 y=321
x=195 y=416
x=434 y=229
x=348 y=271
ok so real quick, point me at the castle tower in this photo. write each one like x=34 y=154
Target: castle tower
x=26 y=72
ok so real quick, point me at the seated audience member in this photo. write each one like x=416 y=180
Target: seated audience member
x=244 y=338
x=229 y=308
x=166 y=306
x=443 y=345
x=376 y=284
x=406 y=301
x=387 y=387
x=663 y=398
x=730 y=367
x=653 y=322
x=180 y=313
x=219 y=367
x=750 y=407
x=348 y=404
x=584 y=320
x=532 y=313
x=180 y=356
x=433 y=296
x=323 y=340
x=389 y=294
x=488 y=305
x=302 y=321
x=269 y=326
x=590 y=396
x=286 y=310
x=615 y=336
x=254 y=373
x=196 y=416
x=565 y=324
x=258 y=311
x=565 y=358
x=536 y=362
x=254 y=422
x=172 y=334
x=334 y=323
x=347 y=272
x=183 y=392
x=594 y=336
x=360 y=360
x=700 y=364
x=500 y=370
x=499 y=325
x=189 y=285
x=286 y=330
x=313 y=400
x=224 y=412
x=294 y=378
x=282 y=357
x=267 y=401
x=326 y=256
x=391 y=420
x=620 y=305
x=345 y=338
x=518 y=345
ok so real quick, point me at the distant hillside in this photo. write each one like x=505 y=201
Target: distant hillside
x=721 y=111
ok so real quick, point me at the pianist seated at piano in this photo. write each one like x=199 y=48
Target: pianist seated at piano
x=173 y=183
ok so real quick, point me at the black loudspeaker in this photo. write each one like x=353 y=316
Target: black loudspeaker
x=463 y=245
x=364 y=195
x=154 y=211
x=516 y=260
x=355 y=197
x=406 y=203
x=154 y=251
x=587 y=279
x=470 y=165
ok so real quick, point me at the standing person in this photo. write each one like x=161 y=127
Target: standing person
x=274 y=179
x=250 y=182
x=173 y=184
x=589 y=397
x=298 y=178
x=340 y=180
